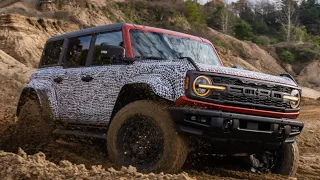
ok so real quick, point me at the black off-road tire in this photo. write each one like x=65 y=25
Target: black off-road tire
x=287 y=160
x=34 y=127
x=156 y=119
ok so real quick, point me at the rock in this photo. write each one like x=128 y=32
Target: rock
x=22 y=154
x=124 y=169
x=65 y=164
x=292 y=178
x=131 y=169
x=112 y=171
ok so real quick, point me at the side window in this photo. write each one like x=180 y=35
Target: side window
x=77 y=53
x=110 y=38
x=52 y=53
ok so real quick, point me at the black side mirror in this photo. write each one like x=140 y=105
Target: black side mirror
x=112 y=52
x=237 y=67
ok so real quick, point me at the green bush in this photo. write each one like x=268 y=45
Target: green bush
x=308 y=54
x=301 y=52
x=287 y=56
x=314 y=39
x=193 y=13
x=261 y=40
x=243 y=31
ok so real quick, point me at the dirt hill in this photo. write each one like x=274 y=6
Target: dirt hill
x=310 y=75
x=251 y=56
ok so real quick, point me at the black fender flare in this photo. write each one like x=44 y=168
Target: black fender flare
x=40 y=95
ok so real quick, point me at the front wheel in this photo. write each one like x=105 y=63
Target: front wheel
x=287 y=159
x=284 y=160
x=143 y=134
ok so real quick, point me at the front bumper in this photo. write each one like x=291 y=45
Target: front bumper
x=222 y=126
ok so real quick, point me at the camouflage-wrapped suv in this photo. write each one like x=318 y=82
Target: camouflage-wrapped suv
x=152 y=92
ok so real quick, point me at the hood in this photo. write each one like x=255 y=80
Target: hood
x=247 y=74
x=184 y=65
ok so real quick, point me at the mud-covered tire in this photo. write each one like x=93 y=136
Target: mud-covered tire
x=34 y=128
x=154 y=117
x=287 y=160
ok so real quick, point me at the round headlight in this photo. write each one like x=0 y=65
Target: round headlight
x=204 y=81
x=295 y=104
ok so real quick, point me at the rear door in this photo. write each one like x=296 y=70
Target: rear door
x=50 y=68
x=85 y=93
x=72 y=91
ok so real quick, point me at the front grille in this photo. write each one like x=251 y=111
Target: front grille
x=250 y=93
x=250 y=83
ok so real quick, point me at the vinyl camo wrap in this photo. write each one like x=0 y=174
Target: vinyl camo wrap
x=76 y=101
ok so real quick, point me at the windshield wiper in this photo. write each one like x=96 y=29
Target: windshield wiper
x=150 y=57
x=191 y=61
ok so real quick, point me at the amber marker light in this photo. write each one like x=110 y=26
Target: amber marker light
x=186 y=83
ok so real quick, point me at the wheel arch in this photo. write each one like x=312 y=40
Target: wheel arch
x=32 y=93
x=134 y=92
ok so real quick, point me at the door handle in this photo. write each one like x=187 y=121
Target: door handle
x=58 y=80
x=87 y=78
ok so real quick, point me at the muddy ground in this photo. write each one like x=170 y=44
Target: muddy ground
x=83 y=159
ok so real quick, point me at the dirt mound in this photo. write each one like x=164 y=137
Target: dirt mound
x=13 y=76
x=22 y=166
x=309 y=76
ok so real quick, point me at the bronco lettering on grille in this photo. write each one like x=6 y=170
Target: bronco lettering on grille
x=252 y=92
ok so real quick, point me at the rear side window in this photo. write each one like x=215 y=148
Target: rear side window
x=52 y=53
x=77 y=53
x=110 y=38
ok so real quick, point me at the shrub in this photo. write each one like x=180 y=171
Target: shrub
x=261 y=40
x=287 y=56
x=302 y=52
x=243 y=31
x=308 y=53
x=298 y=33
x=153 y=13
x=315 y=40
x=193 y=13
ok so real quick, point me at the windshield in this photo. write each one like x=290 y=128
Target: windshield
x=153 y=45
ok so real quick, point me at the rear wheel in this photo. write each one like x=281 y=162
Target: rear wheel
x=34 y=128
x=143 y=134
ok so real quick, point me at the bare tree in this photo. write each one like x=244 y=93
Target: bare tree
x=288 y=16
x=225 y=17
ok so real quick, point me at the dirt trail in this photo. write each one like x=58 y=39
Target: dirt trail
x=310 y=93
x=309 y=141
